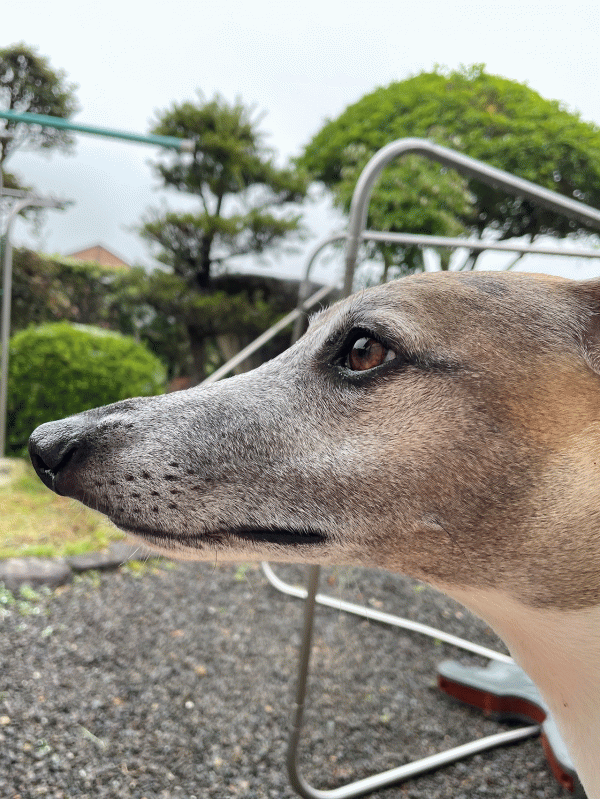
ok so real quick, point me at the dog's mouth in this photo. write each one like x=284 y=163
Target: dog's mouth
x=279 y=536
x=255 y=535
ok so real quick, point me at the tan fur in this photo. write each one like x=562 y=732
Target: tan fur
x=472 y=461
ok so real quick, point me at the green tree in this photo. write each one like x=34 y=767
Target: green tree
x=246 y=207
x=148 y=307
x=496 y=120
x=59 y=369
x=29 y=84
x=54 y=289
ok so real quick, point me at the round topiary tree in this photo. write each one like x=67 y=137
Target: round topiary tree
x=59 y=369
x=502 y=122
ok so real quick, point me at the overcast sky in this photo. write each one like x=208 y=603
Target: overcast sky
x=298 y=63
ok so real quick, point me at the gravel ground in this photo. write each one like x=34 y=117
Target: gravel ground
x=177 y=682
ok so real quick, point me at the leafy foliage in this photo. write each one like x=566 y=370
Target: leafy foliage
x=237 y=182
x=496 y=120
x=246 y=207
x=47 y=289
x=59 y=369
x=53 y=289
x=155 y=308
x=222 y=319
x=29 y=84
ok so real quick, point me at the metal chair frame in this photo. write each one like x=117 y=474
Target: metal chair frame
x=355 y=235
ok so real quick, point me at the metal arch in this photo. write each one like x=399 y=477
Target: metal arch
x=462 y=163
x=306 y=302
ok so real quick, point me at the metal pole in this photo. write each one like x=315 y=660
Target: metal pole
x=172 y=142
x=4 y=136
x=462 y=163
x=6 y=303
x=296 y=780
x=384 y=618
x=385 y=779
x=5 y=323
x=479 y=245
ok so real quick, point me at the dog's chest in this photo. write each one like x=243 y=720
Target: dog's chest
x=560 y=650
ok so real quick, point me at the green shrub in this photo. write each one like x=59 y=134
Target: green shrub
x=59 y=369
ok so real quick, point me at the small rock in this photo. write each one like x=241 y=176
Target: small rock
x=118 y=553
x=15 y=572
x=125 y=551
x=94 y=560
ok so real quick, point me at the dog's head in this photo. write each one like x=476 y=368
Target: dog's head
x=443 y=425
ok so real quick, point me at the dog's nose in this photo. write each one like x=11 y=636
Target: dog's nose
x=52 y=447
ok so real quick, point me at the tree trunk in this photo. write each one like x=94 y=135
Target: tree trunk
x=229 y=345
x=444 y=254
x=203 y=275
x=198 y=351
x=387 y=262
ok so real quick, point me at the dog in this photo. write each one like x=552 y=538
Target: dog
x=446 y=426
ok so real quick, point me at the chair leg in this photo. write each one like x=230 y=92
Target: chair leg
x=384 y=618
x=384 y=778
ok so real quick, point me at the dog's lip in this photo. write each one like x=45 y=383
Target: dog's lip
x=276 y=535
x=266 y=535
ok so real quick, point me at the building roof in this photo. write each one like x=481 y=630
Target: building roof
x=99 y=254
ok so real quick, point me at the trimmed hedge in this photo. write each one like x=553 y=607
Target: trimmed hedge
x=59 y=369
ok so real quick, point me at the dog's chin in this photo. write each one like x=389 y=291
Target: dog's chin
x=226 y=538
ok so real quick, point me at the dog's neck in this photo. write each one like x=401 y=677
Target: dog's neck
x=560 y=650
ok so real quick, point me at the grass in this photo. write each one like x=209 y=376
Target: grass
x=35 y=521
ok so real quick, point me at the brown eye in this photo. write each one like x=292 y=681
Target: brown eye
x=367 y=353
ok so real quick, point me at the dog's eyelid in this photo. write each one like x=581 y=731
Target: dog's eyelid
x=400 y=353
x=335 y=349
x=383 y=336
x=342 y=345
